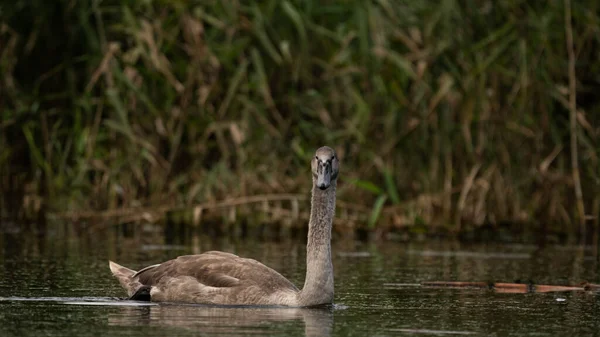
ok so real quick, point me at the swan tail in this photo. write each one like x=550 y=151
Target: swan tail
x=126 y=277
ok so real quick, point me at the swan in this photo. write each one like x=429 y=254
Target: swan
x=221 y=278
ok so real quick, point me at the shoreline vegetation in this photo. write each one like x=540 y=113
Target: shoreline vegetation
x=447 y=116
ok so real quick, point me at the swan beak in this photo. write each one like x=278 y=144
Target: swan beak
x=323 y=175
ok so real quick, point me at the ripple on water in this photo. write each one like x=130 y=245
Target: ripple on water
x=106 y=301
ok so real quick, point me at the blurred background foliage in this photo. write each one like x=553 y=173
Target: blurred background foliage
x=443 y=112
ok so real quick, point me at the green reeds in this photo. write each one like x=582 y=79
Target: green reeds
x=445 y=113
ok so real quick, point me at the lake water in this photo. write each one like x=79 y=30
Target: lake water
x=60 y=287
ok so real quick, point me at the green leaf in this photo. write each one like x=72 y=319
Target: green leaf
x=296 y=19
x=36 y=152
x=122 y=116
x=263 y=37
x=233 y=86
x=390 y=186
x=376 y=212
x=367 y=186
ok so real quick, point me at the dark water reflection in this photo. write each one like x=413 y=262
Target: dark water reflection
x=60 y=287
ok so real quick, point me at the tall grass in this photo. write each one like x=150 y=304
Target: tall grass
x=444 y=112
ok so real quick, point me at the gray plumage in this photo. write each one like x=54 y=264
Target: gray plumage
x=227 y=279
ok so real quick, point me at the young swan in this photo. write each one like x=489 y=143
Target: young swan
x=227 y=279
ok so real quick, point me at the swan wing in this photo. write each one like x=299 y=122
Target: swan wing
x=214 y=277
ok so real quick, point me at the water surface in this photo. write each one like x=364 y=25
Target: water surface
x=57 y=287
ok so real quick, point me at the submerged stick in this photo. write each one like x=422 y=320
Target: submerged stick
x=501 y=287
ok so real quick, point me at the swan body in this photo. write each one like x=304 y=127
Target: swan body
x=226 y=279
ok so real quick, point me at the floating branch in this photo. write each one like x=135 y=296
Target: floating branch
x=519 y=288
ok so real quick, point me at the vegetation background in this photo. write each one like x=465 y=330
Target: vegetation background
x=445 y=113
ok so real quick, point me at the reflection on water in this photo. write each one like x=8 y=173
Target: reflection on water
x=209 y=319
x=58 y=287
x=224 y=320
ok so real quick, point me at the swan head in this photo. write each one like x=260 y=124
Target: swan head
x=325 y=167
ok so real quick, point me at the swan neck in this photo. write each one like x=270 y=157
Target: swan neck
x=322 y=211
x=318 y=286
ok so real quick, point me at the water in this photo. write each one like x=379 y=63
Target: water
x=58 y=287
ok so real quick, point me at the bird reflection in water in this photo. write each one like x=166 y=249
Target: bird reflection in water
x=219 y=320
